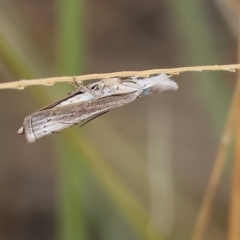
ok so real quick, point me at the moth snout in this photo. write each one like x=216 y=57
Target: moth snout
x=20 y=131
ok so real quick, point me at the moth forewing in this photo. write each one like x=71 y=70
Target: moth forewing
x=105 y=87
x=53 y=120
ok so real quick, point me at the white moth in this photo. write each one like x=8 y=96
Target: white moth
x=91 y=101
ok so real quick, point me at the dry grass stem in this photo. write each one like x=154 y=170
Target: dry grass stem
x=52 y=80
x=234 y=213
x=206 y=207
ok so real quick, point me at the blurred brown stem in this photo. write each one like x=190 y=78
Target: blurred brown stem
x=234 y=213
x=205 y=209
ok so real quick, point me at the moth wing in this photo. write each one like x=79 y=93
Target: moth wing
x=61 y=100
x=76 y=92
x=53 y=120
x=112 y=86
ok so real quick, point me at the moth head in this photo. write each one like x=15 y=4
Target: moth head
x=20 y=131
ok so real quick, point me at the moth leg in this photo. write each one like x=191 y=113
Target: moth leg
x=76 y=85
x=101 y=86
x=79 y=86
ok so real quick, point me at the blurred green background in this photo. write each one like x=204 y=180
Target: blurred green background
x=138 y=172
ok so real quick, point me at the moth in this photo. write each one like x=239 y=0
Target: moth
x=88 y=102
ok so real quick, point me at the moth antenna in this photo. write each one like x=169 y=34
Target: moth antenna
x=89 y=120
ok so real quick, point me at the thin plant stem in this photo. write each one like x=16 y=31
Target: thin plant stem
x=50 y=81
x=234 y=213
x=205 y=209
